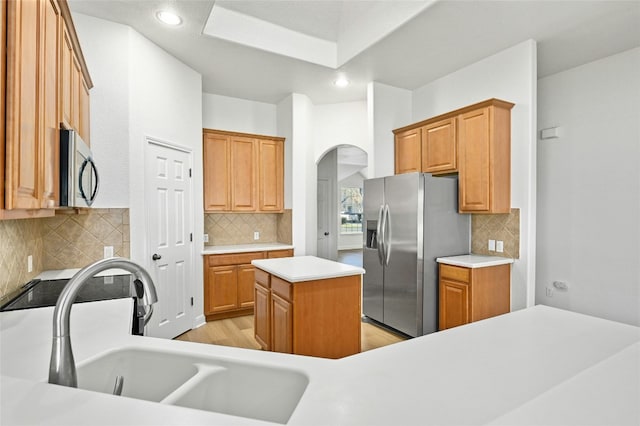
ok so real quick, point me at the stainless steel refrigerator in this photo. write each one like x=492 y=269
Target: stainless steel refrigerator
x=410 y=220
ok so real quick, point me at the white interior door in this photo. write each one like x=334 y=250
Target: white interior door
x=169 y=205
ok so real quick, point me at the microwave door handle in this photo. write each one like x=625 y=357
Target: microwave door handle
x=95 y=180
x=88 y=162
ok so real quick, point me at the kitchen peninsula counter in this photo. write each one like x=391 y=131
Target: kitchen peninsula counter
x=540 y=365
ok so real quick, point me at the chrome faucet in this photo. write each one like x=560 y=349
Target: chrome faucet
x=62 y=368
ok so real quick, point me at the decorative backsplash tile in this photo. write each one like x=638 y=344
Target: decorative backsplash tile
x=238 y=228
x=285 y=227
x=76 y=240
x=503 y=227
x=19 y=239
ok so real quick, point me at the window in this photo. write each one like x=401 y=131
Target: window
x=350 y=210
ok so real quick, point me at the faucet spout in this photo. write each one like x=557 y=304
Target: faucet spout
x=62 y=368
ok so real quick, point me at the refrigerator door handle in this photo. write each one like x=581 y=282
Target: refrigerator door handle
x=379 y=236
x=387 y=234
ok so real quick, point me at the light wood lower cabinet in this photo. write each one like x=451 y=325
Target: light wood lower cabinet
x=473 y=294
x=316 y=318
x=229 y=283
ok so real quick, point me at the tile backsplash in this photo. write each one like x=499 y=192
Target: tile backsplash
x=238 y=228
x=503 y=227
x=76 y=240
x=18 y=240
x=66 y=240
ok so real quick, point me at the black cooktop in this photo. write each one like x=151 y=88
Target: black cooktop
x=42 y=293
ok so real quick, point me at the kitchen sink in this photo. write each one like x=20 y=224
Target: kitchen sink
x=148 y=375
x=205 y=383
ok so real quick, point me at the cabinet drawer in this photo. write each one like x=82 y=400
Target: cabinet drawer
x=282 y=288
x=279 y=253
x=262 y=277
x=234 y=259
x=455 y=273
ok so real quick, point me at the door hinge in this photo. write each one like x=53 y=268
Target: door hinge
x=189 y=172
x=191 y=237
x=192 y=301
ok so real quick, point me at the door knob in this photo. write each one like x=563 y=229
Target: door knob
x=156 y=256
x=326 y=233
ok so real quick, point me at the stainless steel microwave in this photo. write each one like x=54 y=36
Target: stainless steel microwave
x=79 y=179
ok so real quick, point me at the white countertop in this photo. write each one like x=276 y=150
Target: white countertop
x=245 y=248
x=306 y=268
x=536 y=366
x=474 y=260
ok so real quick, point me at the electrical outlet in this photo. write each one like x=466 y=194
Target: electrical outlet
x=206 y=238
x=500 y=246
x=256 y=235
x=492 y=245
x=108 y=251
x=549 y=292
x=30 y=263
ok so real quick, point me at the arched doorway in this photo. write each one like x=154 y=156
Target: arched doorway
x=341 y=173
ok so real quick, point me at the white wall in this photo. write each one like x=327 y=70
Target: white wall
x=339 y=124
x=388 y=108
x=239 y=115
x=509 y=75
x=142 y=91
x=589 y=188
x=104 y=47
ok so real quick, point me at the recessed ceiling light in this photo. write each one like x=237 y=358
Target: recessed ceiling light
x=168 y=18
x=341 y=82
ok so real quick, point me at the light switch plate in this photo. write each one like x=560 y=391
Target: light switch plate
x=108 y=251
x=499 y=246
x=492 y=245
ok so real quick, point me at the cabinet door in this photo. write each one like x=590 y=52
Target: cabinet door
x=245 y=285
x=84 y=106
x=222 y=286
x=50 y=124
x=454 y=304
x=262 y=316
x=243 y=174
x=473 y=155
x=281 y=325
x=271 y=178
x=3 y=84
x=407 y=151
x=216 y=173
x=439 y=151
x=76 y=82
x=23 y=150
x=66 y=66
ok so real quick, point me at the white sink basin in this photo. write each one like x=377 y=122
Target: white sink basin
x=205 y=383
x=148 y=375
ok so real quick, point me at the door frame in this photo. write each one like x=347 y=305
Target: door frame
x=150 y=140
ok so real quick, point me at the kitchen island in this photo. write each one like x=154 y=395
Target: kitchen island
x=307 y=305
x=535 y=366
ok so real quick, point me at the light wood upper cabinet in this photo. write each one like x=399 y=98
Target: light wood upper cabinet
x=485 y=160
x=407 y=151
x=216 y=173
x=475 y=142
x=34 y=87
x=3 y=85
x=24 y=71
x=439 y=147
x=271 y=177
x=242 y=172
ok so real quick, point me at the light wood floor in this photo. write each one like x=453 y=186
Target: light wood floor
x=238 y=332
